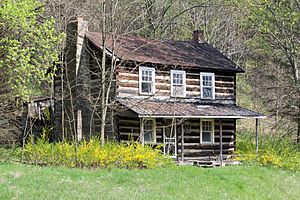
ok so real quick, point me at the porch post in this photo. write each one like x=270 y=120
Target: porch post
x=221 y=142
x=142 y=130
x=182 y=143
x=256 y=137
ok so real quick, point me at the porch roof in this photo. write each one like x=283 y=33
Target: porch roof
x=168 y=109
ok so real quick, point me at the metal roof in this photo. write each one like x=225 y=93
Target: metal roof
x=166 y=52
x=168 y=109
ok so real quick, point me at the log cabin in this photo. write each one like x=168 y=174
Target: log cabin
x=178 y=94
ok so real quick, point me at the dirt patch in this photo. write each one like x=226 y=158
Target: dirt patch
x=15 y=174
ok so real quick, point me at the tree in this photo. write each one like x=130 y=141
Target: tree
x=28 y=46
x=276 y=52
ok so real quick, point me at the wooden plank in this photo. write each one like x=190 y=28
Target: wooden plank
x=128 y=134
x=215 y=143
x=205 y=150
x=182 y=141
x=221 y=142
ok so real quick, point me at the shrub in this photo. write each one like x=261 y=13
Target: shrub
x=92 y=154
x=273 y=150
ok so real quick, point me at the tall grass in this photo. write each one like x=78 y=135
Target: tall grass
x=273 y=150
x=92 y=154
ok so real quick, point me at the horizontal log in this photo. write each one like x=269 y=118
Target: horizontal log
x=129 y=121
x=198 y=143
x=204 y=150
x=128 y=77
x=223 y=78
x=128 y=84
x=224 y=84
x=224 y=91
x=129 y=127
x=128 y=134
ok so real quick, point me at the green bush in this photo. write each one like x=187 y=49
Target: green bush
x=92 y=154
x=273 y=150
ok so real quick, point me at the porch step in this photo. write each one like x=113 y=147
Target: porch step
x=191 y=158
x=203 y=163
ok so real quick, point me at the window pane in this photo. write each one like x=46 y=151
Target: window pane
x=207 y=80
x=207 y=126
x=148 y=125
x=148 y=136
x=177 y=78
x=178 y=90
x=207 y=92
x=206 y=136
x=148 y=131
x=147 y=75
x=146 y=87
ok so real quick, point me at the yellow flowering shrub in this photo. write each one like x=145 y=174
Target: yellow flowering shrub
x=92 y=154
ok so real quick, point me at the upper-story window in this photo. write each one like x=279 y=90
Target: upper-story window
x=178 y=84
x=146 y=80
x=207 y=83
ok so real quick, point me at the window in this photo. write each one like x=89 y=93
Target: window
x=207 y=132
x=207 y=84
x=146 y=80
x=149 y=130
x=178 y=84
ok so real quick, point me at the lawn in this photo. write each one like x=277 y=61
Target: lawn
x=19 y=181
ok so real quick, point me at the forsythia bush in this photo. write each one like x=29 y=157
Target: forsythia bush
x=92 y=154
x=273 y=150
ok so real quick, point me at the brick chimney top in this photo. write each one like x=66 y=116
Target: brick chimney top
x=198 y=36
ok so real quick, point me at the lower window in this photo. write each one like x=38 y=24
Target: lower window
x=149 y=130
x=207 y=131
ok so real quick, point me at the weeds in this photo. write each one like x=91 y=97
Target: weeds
x=273 y=150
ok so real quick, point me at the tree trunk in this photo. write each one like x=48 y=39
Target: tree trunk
x=103 y=76
x=298 y=132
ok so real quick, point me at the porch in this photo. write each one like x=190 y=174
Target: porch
x=189 y=132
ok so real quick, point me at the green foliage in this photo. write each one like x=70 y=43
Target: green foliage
x=92 y=154
x=28 y=45
x=273 y=150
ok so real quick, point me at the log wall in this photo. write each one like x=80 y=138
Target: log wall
x=128 y=84
x=129 y=129
x=194 y=150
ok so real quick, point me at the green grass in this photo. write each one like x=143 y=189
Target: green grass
x=19 y=181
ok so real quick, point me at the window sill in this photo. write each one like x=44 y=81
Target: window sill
x=207 y=143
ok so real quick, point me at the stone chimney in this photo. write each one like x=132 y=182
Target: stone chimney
x=82 y=28
x=198 y=36
x=76 y=79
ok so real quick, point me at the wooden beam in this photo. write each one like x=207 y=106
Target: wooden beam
x=221 y=143
x=142 y=130
x=182 y=142
x=256 y=137
x=79 y=125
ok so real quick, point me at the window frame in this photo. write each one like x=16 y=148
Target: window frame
x=213 y=84
x=152 y=69
x=212 y=134
x=153 y=130
x=183 y=82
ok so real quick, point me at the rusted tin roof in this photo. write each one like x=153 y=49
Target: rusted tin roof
x=147 y=108
x=166 y=52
